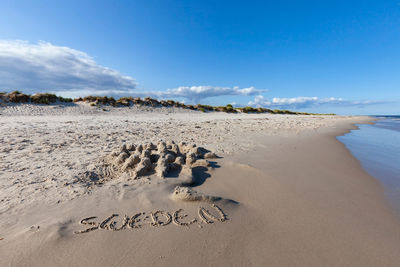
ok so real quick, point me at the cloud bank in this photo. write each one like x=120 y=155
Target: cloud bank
x=46 y=67
x=306 y=102
x=197 y=93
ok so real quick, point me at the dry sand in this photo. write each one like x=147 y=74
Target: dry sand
x=283 y=192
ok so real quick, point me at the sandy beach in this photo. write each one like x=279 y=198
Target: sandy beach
x=239 y=190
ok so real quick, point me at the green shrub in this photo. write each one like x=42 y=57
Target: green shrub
x=205 y=107
x=137 y=101
x=44 y=98
x=125 y=101
x=229 y=109
x=249 y=109
x=151 y=102
x=3 y=96
x=103 y=100
x=65 y=99
x=17 y=97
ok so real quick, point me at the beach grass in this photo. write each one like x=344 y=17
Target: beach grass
x=47 y=98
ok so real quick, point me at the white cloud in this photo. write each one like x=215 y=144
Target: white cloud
x=46 y=67
x=305 y=102
x=68 y=72
x=197 y=93
x=192 y=93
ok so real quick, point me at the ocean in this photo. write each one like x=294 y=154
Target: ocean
x=377 y=147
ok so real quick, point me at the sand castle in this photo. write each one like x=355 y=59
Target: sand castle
x=166 y=159
x=134 y=161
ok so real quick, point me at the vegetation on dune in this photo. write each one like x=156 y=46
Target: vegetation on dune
x=229 y=109
x=16 y=97
x=41 y=98
x=46 y=98
x=130 y=101
x=125 y=101
x=204 y=108
x=97 y=100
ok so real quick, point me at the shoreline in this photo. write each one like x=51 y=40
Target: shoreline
x=300 y=198
x=334 y=213
x=374 y=145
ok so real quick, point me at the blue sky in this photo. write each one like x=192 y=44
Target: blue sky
x=318 y=56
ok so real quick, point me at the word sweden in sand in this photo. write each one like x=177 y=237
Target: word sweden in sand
x=163 y=159
x=157 y=218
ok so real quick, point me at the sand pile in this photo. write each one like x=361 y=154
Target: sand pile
x=133 y=161
x=188 y=194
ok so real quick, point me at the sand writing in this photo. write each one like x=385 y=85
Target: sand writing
x=155 y=219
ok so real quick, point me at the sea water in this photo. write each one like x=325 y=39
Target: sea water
x=377 y=147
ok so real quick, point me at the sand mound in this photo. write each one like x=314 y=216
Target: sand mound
x=132 y=162
x=188 y=194
x=165 y=159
